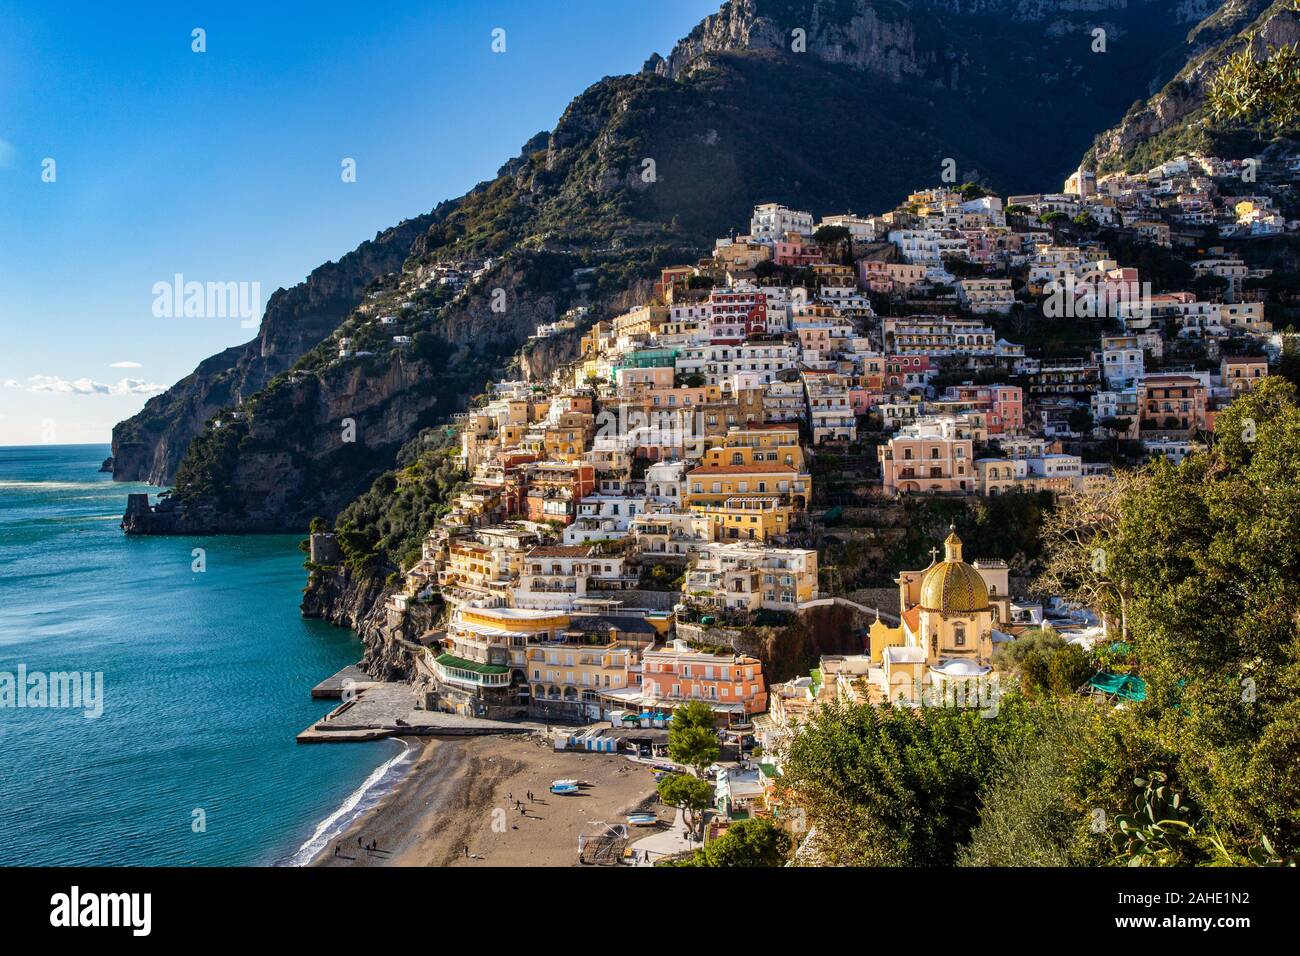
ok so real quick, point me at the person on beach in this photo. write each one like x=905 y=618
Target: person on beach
x=467 y=851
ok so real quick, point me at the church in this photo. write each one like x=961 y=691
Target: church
x=948 y=628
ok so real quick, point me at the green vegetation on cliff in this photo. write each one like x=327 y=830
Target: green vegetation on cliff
x=382 y=530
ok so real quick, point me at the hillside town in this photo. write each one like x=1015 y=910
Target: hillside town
x=628 y=525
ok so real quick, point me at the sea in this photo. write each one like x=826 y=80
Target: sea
x=188 y=755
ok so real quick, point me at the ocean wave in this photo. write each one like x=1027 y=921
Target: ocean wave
x=358 y=802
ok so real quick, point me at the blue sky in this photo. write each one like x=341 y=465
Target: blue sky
x=225 y=165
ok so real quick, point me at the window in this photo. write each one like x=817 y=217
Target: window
x=959 y=635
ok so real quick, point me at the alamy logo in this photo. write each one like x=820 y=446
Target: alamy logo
x=67 y=690
x=74 y=908
x=629 y=428
x=208 y=300
x=1069 y=299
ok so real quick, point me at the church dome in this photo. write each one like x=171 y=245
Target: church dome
x=952 y=586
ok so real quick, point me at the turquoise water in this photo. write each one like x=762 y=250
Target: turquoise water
x=207 y=679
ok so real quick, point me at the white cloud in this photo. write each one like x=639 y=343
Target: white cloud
x=126 y=365
x=137 y=386
x=87 y=386
x=12 y=383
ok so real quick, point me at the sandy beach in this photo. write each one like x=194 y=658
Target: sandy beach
x=462 y=793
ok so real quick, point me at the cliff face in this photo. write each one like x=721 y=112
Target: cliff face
x=1174 y=119
x=541 y=358
x=938 y=42
x=149 y=445
x=359 y=603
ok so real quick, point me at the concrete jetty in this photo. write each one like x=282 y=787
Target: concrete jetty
x=351 y=677
x=384 y=709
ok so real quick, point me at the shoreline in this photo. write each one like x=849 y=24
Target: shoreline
x=377 y=786
x=464 y=801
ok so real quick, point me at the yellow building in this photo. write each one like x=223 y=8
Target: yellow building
x=641 y=321
x=478 y=569
x=567 y=439
x=478 y=666
x=775 y=443
x=746 y=519
x=716 y=483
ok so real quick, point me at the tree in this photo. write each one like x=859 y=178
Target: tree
x=687 y=793
x=1044 y=663
x=757 y=842
x=692 y=737
x=831 y=236
x=1202 y=563
x=1249 y=86
x=1027 y=817
x=893 y=786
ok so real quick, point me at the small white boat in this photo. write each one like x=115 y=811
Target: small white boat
x=642 y=820
x=564 y=788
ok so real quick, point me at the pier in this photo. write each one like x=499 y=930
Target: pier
x=376 y=710
x=351 y=677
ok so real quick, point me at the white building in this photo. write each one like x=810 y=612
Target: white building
x=771 y=221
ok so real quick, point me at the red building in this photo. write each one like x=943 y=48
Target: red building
x=555 y=488
x=734 y=316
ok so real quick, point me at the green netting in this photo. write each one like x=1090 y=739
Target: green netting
x=1120 y=685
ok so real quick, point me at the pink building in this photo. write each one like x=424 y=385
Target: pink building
x=797 y=252
x=889 y=276
x=1005 y=404
x=732 y=684
x=903 y=372
x=930 y=455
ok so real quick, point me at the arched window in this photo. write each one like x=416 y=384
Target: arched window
x=959 y=635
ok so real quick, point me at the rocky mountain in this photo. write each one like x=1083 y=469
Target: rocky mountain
x=827 y=105
x=1174 y=120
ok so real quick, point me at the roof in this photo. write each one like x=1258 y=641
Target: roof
x=952 y=586
x=629 y=623
x=744 y=470
x=450 y=660
x=559 y=551
x=960 y=668
x=912 y=617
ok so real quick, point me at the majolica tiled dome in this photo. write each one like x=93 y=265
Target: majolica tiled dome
x=952 y=586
